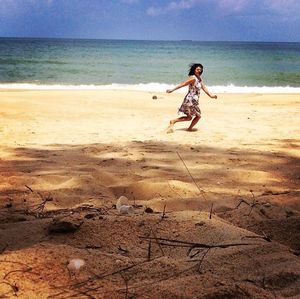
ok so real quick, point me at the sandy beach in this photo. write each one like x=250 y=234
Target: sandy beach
x=232 y=184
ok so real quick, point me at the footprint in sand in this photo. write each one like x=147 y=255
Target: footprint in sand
x=169 y=129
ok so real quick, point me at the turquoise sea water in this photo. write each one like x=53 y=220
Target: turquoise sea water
x=148 y=64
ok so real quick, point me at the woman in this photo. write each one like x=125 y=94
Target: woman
x=190 y=104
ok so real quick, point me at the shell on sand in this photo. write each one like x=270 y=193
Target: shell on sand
x=75 y=264
x=122 y=201
x=126 y=209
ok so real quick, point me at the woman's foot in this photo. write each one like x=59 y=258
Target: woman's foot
x=170 y=128
x=191 y=129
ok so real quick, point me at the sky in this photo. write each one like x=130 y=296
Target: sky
x=201 y=20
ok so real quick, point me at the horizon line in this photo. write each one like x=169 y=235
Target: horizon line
x=146 y=40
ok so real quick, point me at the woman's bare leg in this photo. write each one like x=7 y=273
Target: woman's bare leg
x=176 y=120
x=194 y=121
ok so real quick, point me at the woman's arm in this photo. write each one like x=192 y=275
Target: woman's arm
x=185 y=83
x=213 y=96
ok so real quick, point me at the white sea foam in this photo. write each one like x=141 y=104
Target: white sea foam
x=151 y=87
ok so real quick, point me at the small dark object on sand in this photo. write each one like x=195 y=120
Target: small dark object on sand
x=154 y=97
x=148 y=210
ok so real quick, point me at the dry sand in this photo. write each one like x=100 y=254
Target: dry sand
x=78 y=151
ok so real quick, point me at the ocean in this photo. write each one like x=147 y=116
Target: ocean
x=147 y=65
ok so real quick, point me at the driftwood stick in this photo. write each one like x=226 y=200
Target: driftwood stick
x=201 y=190
x=18 y=270
x=191 y=256
x=13 y=286
x=241 y=201
x=29 y=188
x=211 y=209
x=174 y=245
x=265 y=237
x=164 y=212
x=193 y=245
x=200 y=262
x=157 y=242
x=126 y=284
x=174 y=190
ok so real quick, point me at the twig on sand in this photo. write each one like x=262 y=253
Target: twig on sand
x=20 y=270
x=29 y=188
x=251 y=205
x=202 y=192
x=14 y=287
x=264 y=237
x=157 y=242
x=174 y=190
x=254 y=203
x=192 y=245
x=126 y=280
x=38 y=209
x=164 y=212
x=211 y=209
x=201 y=261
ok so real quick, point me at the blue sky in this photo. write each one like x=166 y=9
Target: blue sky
x=204 y=20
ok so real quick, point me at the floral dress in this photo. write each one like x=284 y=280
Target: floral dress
x=190 y=104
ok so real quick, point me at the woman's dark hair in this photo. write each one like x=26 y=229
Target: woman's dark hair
x=193 y=67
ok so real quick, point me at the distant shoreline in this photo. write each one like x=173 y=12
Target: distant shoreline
x=149 y=87
x=147 y=40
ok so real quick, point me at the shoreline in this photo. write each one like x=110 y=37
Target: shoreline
x=148 y=87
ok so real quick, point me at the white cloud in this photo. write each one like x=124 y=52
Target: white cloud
x=130 y=1
x=153 y=12
x=172 y=6
x=10 y=8
x=235 y=5
x=282 y=8
x=183 y=4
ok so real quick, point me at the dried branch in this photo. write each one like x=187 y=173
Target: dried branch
x=251 y=205
x=201 y=261
x=157 y=242
x=18 y=270
x=241 y=201
x=29 y=188
x=264 y=237
x=192 y=245
x=211 y=209
x=14 y=287
x=174 y=190
x=202 y=192
x=164 y=212
x=126 y=280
